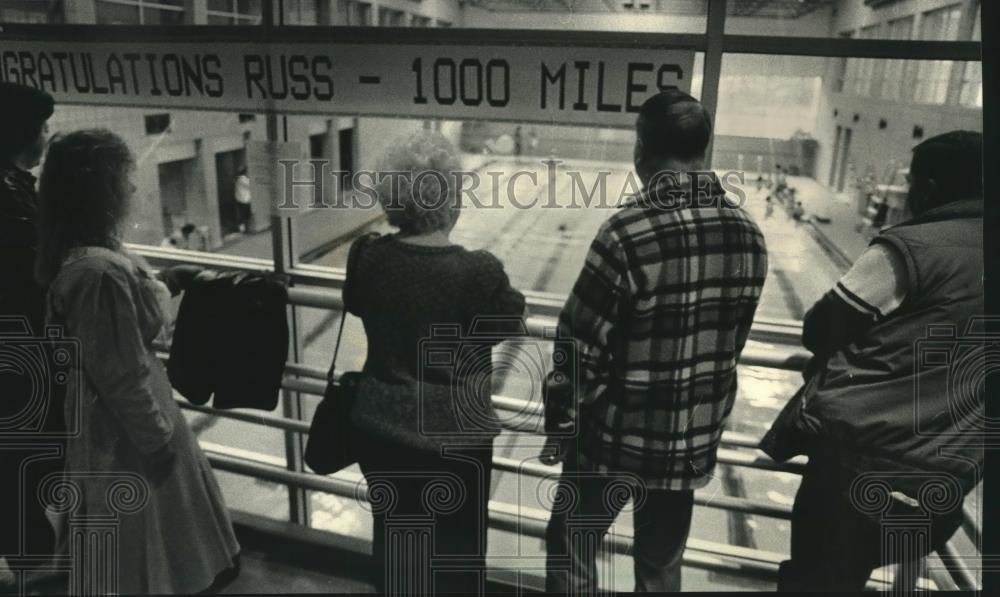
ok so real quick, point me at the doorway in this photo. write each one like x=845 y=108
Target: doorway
x=346 y=150
x=227 y=164
x=173 y=196
x=835 y=166
x=845 y=158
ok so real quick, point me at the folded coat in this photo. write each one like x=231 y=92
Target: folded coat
x=231 y=340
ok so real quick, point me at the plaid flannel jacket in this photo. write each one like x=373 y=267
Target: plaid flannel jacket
x=658 y=317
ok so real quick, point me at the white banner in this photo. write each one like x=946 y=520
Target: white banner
x=556 y=85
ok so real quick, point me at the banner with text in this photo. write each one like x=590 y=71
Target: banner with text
x=557 y=85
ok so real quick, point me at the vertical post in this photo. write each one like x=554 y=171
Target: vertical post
x=713 y=65
x=966 y=32
x=281 y=241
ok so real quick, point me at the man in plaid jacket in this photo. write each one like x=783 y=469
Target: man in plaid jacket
x=659 y=316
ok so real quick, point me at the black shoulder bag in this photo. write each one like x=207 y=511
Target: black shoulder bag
x=328 y=448
x=330 y=444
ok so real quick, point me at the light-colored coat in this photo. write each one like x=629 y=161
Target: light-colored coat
x=173 y=534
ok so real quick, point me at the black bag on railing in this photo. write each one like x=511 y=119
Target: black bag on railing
x=793 y=429
x=328 y=448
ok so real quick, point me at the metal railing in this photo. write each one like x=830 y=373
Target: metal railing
x=773 y=346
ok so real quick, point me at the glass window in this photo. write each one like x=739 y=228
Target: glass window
x=303 y=12
x=932 y=76
x=972 y=85
x=140 y=12
x=352 y=12
x=388 y=17
x=670 y=16
x=661 y=16
x=266 y=445
x=972 y=76
x=356 y=145
x=233 y=12
x=842 y=147
x=31 y=11
x=118 y=14
x=941 y=24
x=160 y=16
x=783 y=18
x=865 y=70
x=898 y=73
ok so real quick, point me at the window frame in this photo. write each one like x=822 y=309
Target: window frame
x=144 y=5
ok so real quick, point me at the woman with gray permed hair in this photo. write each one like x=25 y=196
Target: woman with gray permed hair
x=406 y=287
x=417 y=184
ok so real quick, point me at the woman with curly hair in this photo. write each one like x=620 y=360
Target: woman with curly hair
x=422 y=466
x=132 y=455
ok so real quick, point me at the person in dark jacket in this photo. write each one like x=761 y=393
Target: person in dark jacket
x=892 y=431
x=403 y=286
x=23 y=133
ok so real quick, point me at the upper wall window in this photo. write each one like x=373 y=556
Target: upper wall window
x=32 y=11
x=233 y=12
x=140 y=12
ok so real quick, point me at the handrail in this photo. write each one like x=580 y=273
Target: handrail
x=971 y=527
x=955 y=565
x=531 y=522
x=537 y=470
x=724 y=455
x=773 y=345
x=515 y=518
x=320 y=288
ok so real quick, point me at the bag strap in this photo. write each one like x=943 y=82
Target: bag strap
x=336 y=348
x=354 y=256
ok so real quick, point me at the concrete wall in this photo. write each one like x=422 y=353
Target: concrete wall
x=193 y=135
x=875 y=149
x=872 y=147
x=563 y=142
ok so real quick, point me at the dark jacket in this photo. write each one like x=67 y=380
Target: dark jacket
x=22 y=301
x=22 y=415
x=903 y=399
x=231 y=340
x=19 y=295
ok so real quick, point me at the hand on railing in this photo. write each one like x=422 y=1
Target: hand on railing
x=179 y=277
x=554 y=450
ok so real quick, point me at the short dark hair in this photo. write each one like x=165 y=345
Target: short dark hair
x=23 y=112
x=673 y=124
x=954 y=160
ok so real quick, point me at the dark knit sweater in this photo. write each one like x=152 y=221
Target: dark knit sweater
x=405 y=294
